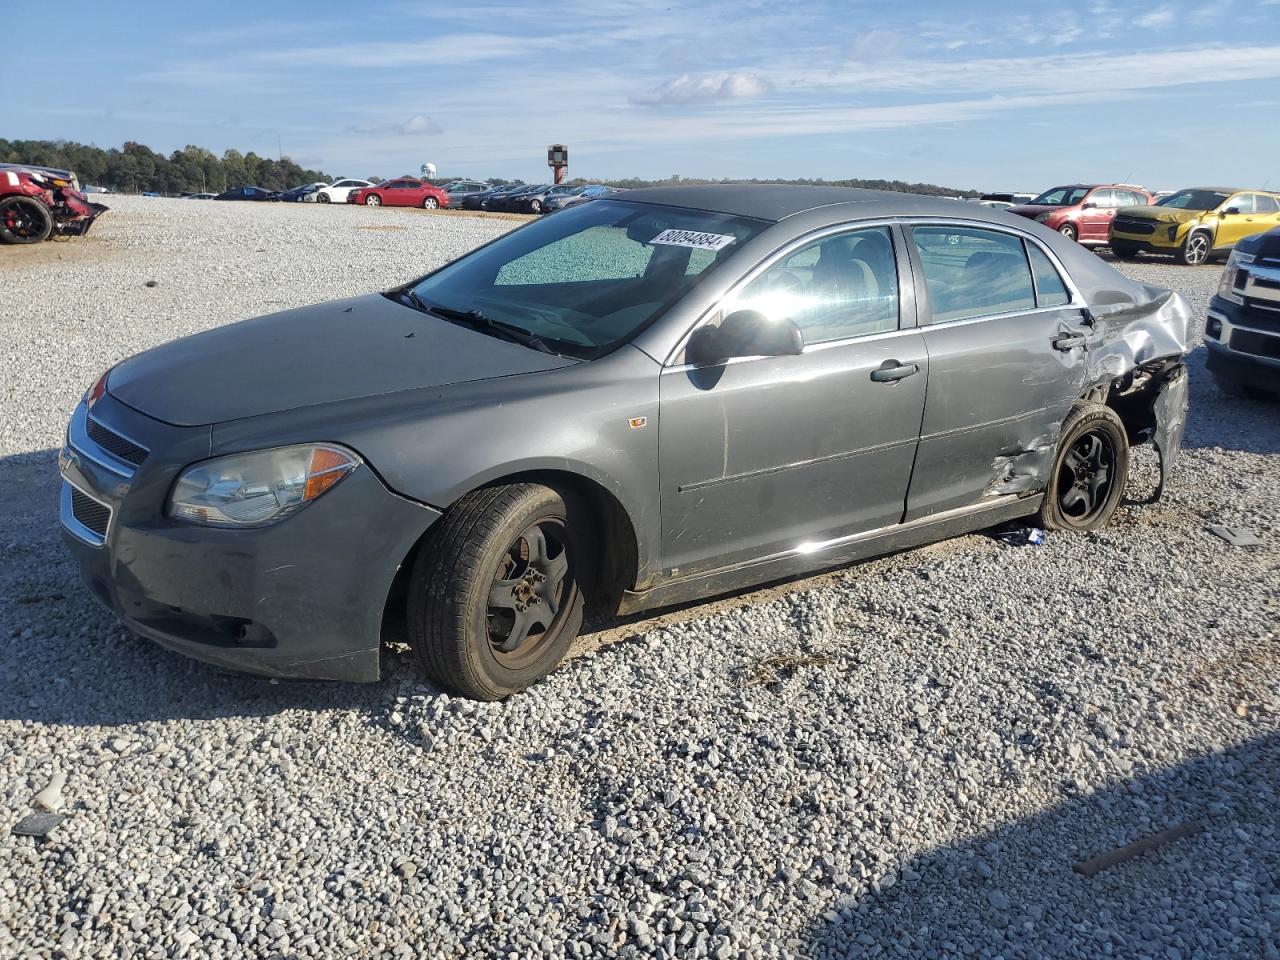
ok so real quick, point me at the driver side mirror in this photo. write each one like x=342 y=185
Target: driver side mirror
x=1232 y=211
x=1088 y=206
x=744 y=333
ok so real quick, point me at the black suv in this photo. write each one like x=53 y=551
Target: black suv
x=1242 y=332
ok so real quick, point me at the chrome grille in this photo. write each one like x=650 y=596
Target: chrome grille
x=114 y=443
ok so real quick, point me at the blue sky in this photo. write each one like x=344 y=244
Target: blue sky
x=964 y=94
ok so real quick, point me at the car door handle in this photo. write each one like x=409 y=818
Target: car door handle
x=892 y=370
x=1067 y=341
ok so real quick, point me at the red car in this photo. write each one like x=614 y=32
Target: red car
x=404 y=192
x=1083 y=211
x=39 y=202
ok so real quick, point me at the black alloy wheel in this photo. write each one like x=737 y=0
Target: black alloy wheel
x=24 y=220
x=1090 y=470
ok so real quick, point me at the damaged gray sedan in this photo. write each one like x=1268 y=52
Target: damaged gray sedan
x=641 y=401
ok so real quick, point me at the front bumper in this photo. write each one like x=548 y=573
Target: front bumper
x=1155 y=242
x=299 y=599
x=1243 y=342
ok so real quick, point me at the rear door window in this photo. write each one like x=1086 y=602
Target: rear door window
x=971 y=272
x=1265 y=204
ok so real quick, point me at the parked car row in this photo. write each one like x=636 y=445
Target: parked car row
x=535 y=198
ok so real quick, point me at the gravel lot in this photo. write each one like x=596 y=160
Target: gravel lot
x=902 y=758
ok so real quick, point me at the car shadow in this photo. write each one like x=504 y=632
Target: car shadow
x=67 y=660
x=1012 y=891
x=1218 y=421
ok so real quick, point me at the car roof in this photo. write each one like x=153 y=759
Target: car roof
x=775 y=202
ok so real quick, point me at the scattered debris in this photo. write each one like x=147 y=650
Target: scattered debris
x=780 y=666
x=1018 y=535
x=1236 y=536
x=50 y=798
x=1090 y=867
x=151 y=283
x=37 y=824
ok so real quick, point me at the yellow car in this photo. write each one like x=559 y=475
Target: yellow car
x=1194 y=224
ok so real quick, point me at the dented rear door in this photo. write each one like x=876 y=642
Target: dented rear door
x=1008 y=345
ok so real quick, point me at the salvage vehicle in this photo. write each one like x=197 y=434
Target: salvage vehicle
x=481 y=201
x=337 y=192
x=401 y=192
x=40 y=202
x=247 y=193
x=1083 y=211
x=1195 y=224
x=583 y=194
x=643 y=400
x=1242 y=332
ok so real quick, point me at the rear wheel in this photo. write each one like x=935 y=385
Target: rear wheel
x=1123 y=251
x=497 y=591
x=24 y=220
x=372 y=200
x=1090 y=470
x=1068 y=231
x=430 y=203
x=1195 y=250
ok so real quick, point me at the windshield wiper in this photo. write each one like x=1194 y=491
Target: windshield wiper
x=482 y=321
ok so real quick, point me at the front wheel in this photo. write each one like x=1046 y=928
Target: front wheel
x=372 y=200
x=497 y=591
x=535 y=206
x=1068 y=231
x=322 y=198
x=24 y=220
x=430 y=203
x=1195 y=250
x=1089 y=472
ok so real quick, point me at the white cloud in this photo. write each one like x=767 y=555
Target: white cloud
x=687 y=88
x=1157 y=18
x=418 y=125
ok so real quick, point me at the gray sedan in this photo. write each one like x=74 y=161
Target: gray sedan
x=638 y=402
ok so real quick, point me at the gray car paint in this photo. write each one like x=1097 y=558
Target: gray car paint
x=775 y=466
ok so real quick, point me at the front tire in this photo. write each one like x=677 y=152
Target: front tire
x=1068 y=231
x=497 y=591
x=1090 y=470
x=373 y=200
x=1196 y=249
x=1123 y=251
x=322 y=198
x=24 y=220
x=535 y=206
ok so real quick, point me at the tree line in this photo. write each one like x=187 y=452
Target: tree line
x=135 y=168
x=897 y=186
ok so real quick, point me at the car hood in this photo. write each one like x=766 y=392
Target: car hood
x=1033 y=210
x=342 y=350
x=1160 y=214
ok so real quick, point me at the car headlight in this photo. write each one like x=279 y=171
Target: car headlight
x=250 y=489
x=1042 y=217
x=1233 y=279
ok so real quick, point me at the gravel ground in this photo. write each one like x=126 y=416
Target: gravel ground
x=901 y=758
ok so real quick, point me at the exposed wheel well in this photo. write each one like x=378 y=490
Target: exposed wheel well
x=619 y=553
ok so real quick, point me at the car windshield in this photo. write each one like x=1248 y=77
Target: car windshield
x=1194 y=200
x=1061 y=197
x=586 y=280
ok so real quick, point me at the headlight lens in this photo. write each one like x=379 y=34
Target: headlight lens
x=1042 y=217
x=255 y=488
x=1231 y=277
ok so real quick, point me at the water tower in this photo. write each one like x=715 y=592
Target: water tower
x=429 y=171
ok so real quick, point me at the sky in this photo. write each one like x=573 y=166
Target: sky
x=973 y=94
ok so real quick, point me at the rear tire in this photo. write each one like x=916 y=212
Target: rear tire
x=1123 y=251
x=24 y=220
x=1090 y=470
x=1196 y=249
x=430 y=203
x=497 y=591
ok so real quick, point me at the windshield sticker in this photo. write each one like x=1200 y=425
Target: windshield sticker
x=691 y=238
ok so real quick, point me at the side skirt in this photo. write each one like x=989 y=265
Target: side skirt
x=809 y=558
